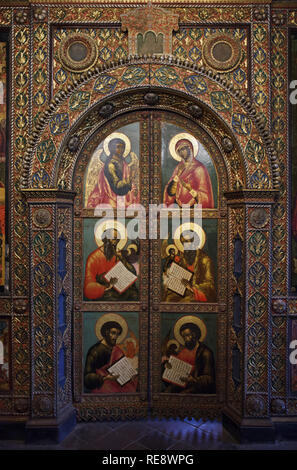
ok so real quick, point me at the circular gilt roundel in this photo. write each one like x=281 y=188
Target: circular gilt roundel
x=78 y=52
x=222 y=52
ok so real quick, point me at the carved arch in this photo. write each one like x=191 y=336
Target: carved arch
x=180 y=86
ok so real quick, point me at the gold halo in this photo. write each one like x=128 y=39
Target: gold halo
x=189 y=226
x=173 y=341
x=117 y=135
x=169 y=248
x=132 y=245
x=112 y=317
x=100 y=228
x=189 y=319
x=176 y=138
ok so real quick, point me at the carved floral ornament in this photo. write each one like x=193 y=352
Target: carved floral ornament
x=62 y=124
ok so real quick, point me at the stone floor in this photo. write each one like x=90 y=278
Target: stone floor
x=150 y=434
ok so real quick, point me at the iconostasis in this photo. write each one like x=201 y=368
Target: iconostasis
x=108 y=111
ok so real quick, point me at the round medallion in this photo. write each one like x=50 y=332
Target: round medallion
x=42 y=218
x=278 y=406
x=222 y=52
x=255 y=406
x=279 y=305
x=258 y=217
x=78 y=52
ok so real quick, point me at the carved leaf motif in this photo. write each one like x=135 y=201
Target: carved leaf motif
x=42 y=243
x=40 y=179
x=43 y=335
x=105 y=54
x=195 y=33
x=254 y=151
x=257 y=305
x=259 y=180
x=278 y=340
x=79 y=100
x=241 y=124
x=134 y=75
x=166 y=75
x=120 y=53
x=40 y=33
x=221 y=100
x=260 y=77
x=258 y=244
x=42 y=274
x=257 y=274
x=278 y=38
x=256 y=365
x=22 y=37
x=260 y=33
x=21 y=79
x=278 y=233
x=59 y=123
x=278 y=60
x=239 y=76
x=42 y=304
x=260 y=56
x=195 y=84
x=105 y=84
x=256 y=335
x=195 y=54
x=278 y=253
x=46 y=150
x=278 y=275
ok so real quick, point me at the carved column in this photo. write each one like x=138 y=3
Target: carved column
x=51 y=218
x=247 y=412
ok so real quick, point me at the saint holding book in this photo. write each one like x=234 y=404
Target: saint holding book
x=108 y=369
x=187 y=274
x=189 y=367
x=110 y=273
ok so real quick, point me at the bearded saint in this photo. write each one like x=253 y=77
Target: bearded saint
x=201 y=358
x=100 y=357
x=115 y=179
x=99 y=262
x=190 y=182
x=201 y=287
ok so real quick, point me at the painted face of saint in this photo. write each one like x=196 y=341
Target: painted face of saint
x=110 y=240
x=184 y=149
x=189 y=337
x=112 y=336
x=117 y=147
x=187 y=237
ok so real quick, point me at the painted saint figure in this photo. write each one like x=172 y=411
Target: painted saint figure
x=116 y=178
x=190 y=182
x=201 y=286
x=111 y=330
x=111 y=242
x=190 y=332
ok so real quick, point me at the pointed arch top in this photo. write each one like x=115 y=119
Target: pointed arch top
x=112 y=89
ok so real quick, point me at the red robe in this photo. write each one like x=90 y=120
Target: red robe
x=199 y=296
x=103 y=194
x=188 y=355
x=96 y=264
x=196 y=175
x=112 y=386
